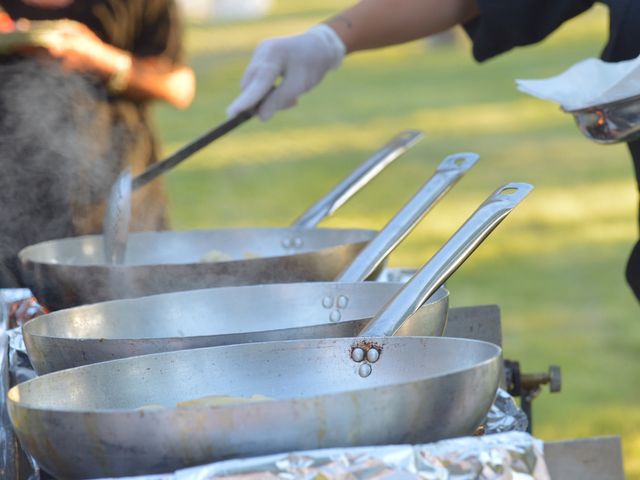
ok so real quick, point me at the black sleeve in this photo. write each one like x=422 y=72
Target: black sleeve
x=505 y=24
x=160 y=32
x=624 y=30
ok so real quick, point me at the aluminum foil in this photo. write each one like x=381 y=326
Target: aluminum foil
x=20 y=368
x=8 y=297
x=14 y=463
x=17 y=306
x=505 y=415
x=7 y=439
x=508 y=456
x=14 y=368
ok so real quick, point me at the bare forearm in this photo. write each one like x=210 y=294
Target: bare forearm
x=152 y=78
x=380 y=23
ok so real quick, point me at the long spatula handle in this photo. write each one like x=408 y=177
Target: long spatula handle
x=185 y=152
x=445 y=262
x=362 y=175
x=450 y=170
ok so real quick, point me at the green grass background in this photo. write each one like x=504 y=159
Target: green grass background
x=555 y=266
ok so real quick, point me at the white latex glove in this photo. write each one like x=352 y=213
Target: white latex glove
x=301 y=61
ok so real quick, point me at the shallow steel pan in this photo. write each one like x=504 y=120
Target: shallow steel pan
x=74 y=271
x=613 y=122
x=369 y=390
x=224 y=316
x=215 y=317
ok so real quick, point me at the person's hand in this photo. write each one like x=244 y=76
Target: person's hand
x=301 y=61
x=79 y=49
x=74 y=44
x=14 y=35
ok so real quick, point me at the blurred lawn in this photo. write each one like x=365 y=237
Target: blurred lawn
x=555 y=266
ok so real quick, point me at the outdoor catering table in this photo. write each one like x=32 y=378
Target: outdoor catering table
x=504 y=451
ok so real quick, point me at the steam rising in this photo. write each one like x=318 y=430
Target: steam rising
x=57 y=158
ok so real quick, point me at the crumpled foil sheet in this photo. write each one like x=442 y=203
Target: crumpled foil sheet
x=13 y=462
x=505 y=415
x=16 y=305
x=505 y=456
x=7 y=439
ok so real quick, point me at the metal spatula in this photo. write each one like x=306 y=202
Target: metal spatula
x=117 y=218
x=118 y=212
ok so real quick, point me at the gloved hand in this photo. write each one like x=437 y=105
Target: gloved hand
x=301 y=60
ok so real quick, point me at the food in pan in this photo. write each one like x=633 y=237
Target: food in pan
x=218 y=256
x=146 y=408
x=221 y=401
x=212 y=401
x=215 y=256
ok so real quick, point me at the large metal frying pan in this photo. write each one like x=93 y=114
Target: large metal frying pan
x=74 y=271
x=88 y=421
x=184 y=320
x=223 y=316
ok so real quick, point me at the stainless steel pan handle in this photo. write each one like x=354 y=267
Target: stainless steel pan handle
x=445 y=262
x=450 y=170
x=362 y=175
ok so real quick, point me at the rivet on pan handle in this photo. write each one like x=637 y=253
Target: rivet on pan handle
x=362 y=175
x=450 y=170
x=445 y=262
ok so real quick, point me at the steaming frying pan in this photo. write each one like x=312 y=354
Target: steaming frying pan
x=336 y=392
x=73 y=271
x=224 y=316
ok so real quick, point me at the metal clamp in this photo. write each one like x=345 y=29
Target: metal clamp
x=528 y=386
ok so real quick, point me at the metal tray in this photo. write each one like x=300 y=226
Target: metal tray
x=609 y=123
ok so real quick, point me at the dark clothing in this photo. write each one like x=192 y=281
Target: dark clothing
x=633 y=265
x=505 y=24
x=59 y=167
